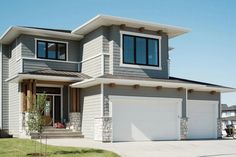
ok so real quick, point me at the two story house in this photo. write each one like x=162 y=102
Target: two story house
x=228 y=115
x=108 y=78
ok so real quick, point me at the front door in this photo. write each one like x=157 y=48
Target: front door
x=52 y=113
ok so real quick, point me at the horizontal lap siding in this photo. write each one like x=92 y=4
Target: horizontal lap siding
x=31 y=64
x=29 y=49
x=5 y=88
x=34 y=65
x=14 y=109
x=15 y=62
x=91 y=106
x=106 y=64
x=91 y=46
x=127 y=71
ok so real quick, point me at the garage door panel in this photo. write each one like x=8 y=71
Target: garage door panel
x=141 y=120
x=202 y=121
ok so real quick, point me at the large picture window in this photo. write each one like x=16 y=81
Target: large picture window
x=51 y=50
x=140 y=50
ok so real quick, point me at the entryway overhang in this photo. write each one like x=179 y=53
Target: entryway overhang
x=20 y=77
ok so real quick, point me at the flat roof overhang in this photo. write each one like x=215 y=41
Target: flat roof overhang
x=128 y=82
x=14 y=31
x=21 y=77
x=105 y=20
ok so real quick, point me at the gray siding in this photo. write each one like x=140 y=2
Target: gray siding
x=197 y=95
x=91 y=108
x=14 y=109
x=14 y=61
x=92 y=67
x=106 y=64
x=28 y=47
x=90 y=46
x=29 y=51
x=34 y=65
x=114 y=36
x=5 y=88
x=142 y=92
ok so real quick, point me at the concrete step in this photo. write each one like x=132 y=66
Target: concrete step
x=36 y=136
x=51 y=132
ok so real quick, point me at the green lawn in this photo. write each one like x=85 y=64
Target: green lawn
x=14 y=147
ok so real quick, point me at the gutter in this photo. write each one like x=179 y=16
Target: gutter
x=128 y=82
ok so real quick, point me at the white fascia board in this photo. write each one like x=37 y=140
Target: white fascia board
x=86 y=83
x=12 y=32
x=196 y=87
x=20 y=77
x=105 y=20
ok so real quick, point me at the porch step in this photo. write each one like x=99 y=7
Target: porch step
x=51 y=132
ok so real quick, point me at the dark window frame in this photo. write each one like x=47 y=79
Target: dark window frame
x=57 y=52
x=146 y=39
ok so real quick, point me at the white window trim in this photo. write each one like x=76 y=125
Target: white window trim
x=122 y=64
x=57 y=41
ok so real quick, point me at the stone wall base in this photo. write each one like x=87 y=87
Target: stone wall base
x=219 y=128
x=183 y=128
x=74 y=121
x=103 y=129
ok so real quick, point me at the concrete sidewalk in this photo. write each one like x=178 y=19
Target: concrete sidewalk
x=198 y=148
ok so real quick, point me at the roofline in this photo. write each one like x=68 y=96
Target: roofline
x=134 y=21
x=74 y=35
x=17 y=30
x=20 y=77
x=147 y=83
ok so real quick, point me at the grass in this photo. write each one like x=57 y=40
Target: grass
x=14 y=147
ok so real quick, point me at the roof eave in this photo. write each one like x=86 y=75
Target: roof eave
x=103 y=19
x=14 y=31
x=148 y=83
x=20 y=77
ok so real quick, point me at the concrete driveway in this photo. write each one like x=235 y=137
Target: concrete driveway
x=199 y=148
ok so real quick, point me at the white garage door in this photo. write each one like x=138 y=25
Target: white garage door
x=143 y=118
x=202 y=123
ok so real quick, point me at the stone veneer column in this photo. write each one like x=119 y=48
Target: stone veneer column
x=74 y=121
x=103 y=129
x=219 y=128
x=183 y=128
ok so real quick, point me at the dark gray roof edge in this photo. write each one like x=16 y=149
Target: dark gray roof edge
x=199 y=82
x=48 y=29
x=66 y=73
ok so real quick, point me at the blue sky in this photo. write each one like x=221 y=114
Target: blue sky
x=207 y=53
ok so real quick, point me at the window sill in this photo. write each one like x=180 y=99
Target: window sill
x=140 y=66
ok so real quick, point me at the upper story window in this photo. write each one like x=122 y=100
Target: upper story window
x=141 y=50
x=51 y=50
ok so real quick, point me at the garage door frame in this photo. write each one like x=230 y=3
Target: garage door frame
x=178 y=100
x=202 y=101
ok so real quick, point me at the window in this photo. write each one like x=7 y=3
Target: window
x=140 y=50
x=51 y=50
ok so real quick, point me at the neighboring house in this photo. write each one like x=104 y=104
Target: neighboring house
x=228 y=115
x=108 y=78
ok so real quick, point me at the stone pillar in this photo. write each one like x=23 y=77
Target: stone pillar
x=74 y=121
x=183 y=128
x=219 y=128
x=103 y=129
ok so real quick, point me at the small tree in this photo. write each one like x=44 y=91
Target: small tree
x=35 y=120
